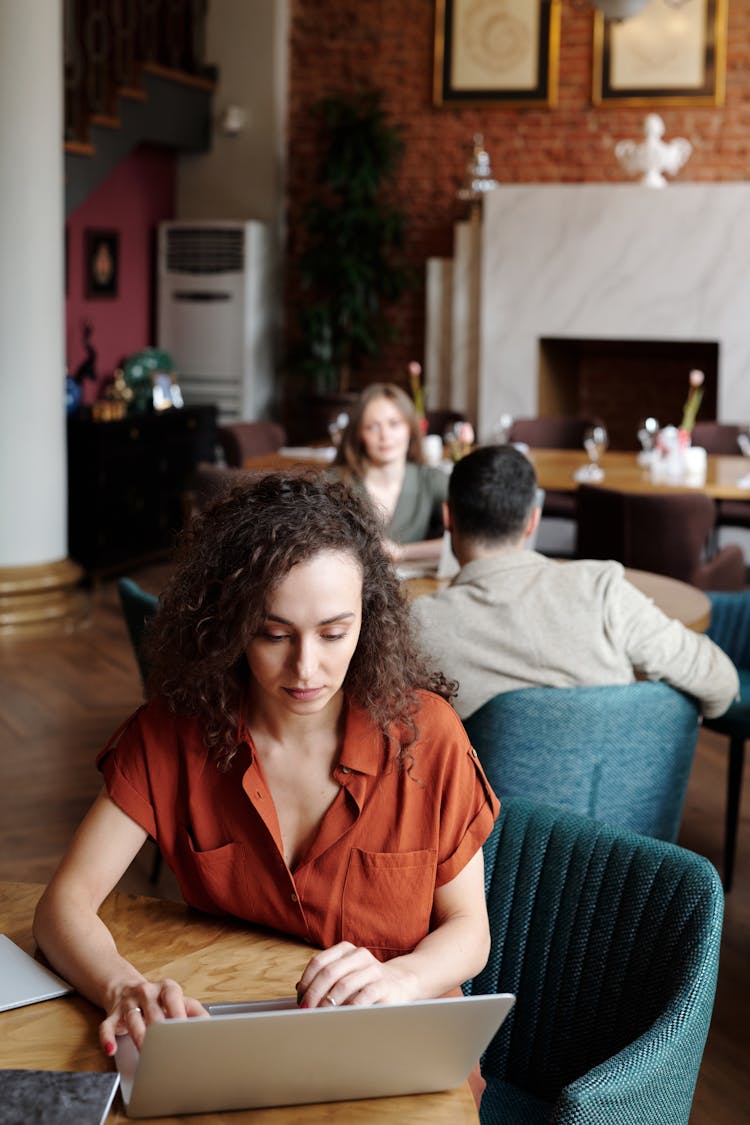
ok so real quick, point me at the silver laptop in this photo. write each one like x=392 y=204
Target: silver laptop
x=24 y=980
x=273 y=1053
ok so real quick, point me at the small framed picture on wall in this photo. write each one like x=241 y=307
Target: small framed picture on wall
x=102 y=263
x=495 y=52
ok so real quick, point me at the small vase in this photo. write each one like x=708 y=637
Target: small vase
x=671 y=464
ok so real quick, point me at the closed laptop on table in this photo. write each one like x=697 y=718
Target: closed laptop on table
x=272 y=1053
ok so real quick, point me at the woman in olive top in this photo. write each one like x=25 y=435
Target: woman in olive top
x=381 y=455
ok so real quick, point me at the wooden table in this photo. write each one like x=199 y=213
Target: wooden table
x=214 y=959
x=677 y=599
x=555 y=469
x=308 y=457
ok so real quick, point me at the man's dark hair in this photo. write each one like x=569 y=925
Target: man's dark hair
x=491 y=494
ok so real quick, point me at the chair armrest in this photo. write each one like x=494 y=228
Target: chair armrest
x=652 y=1079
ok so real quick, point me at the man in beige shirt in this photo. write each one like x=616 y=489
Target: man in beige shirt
x=513 y=618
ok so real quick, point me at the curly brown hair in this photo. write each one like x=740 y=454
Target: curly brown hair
x=231 y=557
x=351 y=451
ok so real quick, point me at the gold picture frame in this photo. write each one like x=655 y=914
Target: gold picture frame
x=662 y=56
x=496 y=52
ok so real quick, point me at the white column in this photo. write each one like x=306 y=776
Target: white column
x=467 y=251
x=438 y=347
x=33 y=487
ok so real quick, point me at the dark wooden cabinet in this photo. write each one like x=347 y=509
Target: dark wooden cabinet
x=125 y=483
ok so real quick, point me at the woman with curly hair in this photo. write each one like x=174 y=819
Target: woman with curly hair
x=380 y=454
x=294 y=762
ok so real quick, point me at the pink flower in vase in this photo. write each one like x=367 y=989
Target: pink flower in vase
x=692 y=403
x=417 y=393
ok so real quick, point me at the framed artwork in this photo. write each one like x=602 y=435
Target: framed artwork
x=496 y=51
x=101 y=263
x=662 y=56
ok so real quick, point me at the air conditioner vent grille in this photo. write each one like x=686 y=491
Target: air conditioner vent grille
x=205 y=250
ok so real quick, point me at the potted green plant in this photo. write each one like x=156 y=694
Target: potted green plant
x=350 y=267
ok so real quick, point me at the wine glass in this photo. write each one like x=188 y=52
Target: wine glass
x=595 y=442
x=500 y=432
x=743 y=440
x=337 y=427
x=648 y=431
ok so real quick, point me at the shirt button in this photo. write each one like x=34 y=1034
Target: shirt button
x=474 y=753
x=294 y=897
x=345 y=769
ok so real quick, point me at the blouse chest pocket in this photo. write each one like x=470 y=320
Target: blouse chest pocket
x=212 y=880
x=387 y=900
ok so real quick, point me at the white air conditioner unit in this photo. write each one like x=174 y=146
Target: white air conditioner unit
x=215 y=313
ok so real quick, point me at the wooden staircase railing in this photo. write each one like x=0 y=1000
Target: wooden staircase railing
x=109 y=45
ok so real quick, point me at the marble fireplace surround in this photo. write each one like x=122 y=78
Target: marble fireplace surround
x=611 y=262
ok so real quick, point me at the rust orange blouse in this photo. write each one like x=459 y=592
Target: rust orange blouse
x=389 y=838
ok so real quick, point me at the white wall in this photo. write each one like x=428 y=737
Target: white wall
x=242 y=177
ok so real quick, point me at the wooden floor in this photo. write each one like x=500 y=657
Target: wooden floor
x=60 y=699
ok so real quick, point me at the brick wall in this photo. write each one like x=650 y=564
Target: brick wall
x=338 y=45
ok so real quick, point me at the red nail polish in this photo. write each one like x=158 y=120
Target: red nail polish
x=109 y=1048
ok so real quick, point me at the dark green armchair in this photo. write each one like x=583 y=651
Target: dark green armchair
x=619 y=753
x=138 y=607
x=730 y=630
x=610 y=942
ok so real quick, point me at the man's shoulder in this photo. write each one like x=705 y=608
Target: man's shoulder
x=431 y=607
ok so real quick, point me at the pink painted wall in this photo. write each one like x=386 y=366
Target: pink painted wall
x=137 y=195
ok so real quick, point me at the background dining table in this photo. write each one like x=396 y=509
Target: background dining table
x=555 y=469
x=215 y=959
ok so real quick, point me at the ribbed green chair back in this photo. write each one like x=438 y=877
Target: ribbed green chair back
x=610 y=942
x=729 y=627
x=138 y=607
x=621 y=754
x=730 y=630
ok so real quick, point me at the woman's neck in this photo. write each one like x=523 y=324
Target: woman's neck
x=390 y=474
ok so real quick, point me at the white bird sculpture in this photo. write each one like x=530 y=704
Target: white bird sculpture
x=653 y=156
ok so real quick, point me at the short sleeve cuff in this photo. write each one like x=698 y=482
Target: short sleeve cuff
x=122 y=793
x=475 y=835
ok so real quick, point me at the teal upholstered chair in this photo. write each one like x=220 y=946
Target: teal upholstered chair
x=620 y=754
x=610 y=942
x=730 y=629
x=137 y=607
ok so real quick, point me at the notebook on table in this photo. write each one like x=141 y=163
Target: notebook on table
x=272 y=1053
x=64 y=1097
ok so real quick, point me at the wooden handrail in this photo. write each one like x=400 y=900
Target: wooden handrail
x=109 y=44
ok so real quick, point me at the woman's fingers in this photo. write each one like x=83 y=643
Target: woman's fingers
x=338 y=976
x=138 y=1006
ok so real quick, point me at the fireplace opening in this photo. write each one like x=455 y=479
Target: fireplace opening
x=624 y=381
